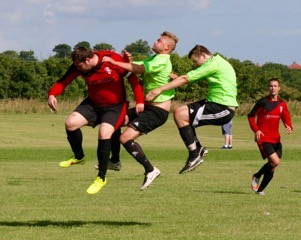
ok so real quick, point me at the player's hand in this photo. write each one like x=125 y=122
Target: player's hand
x=258 y=135
x=288 y=128
x=173 y=76
x=152 y=94
x=139 y=107
x=108 y=59
x=127 y=56
x=52 y=102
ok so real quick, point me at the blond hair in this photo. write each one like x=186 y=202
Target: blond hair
x=173 y=39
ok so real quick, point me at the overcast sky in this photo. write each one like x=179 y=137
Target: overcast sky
x=257 y=30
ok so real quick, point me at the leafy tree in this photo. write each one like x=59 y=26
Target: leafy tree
x=56 y=68
x=62 y=50
x=82 y=44
x=139 y=47
x=180 y=65
x=103 y=46
x=27 y=55
x=10 y=53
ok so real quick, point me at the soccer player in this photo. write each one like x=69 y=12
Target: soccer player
x=268 y=111
x=105 y=105
x=217 y=109
x=155 y=71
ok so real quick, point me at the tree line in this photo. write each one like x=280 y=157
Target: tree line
x=23 y=76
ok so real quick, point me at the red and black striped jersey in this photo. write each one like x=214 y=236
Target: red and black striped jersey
x=268 y=114
x=105 y=81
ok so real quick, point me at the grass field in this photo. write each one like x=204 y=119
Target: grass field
x=39 y=200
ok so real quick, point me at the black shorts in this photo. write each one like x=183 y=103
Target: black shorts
x=267 y=149
x=113 y=114
x=209 y=113
x=151 y=118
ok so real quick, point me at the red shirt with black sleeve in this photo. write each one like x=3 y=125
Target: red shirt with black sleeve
x=268 y=114
x=105 y=81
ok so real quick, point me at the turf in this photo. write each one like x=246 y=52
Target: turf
x=40 y=200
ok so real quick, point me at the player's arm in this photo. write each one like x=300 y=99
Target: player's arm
x=138 y=92
x=252 y=121
x=286 y=119
x=131 y=67
x=179 y=81
x=59 y=86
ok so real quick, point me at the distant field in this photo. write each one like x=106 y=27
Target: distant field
x=39 y=200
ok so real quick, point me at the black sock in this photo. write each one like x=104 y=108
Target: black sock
x=265 y=168
x=267 y=177
x=115 y=146
x=198 y=143
x=103 y=155
x=187 y=134
x=136 y=151
x=75 y=139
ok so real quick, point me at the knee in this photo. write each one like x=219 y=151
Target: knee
x=181 y=117
x=70 y=125
x=176 y=114
x=275 y=163
x=123 y=139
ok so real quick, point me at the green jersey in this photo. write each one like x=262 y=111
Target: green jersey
x=221 y=77
x=157 y=73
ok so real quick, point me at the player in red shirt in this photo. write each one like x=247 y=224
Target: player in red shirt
x=268 y=111
x=105 y=105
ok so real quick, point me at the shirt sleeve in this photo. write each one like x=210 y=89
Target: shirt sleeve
x=60 y=85
x=155 y=65
x=286 y=117
x=208 y=68
x=136 y=87
x=252 y=117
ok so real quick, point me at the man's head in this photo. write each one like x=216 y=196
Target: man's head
x=82 y=59
x=165 y=44
x=199 y=55
x=274 y=85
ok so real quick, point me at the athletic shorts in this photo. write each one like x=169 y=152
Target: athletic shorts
x=267 y=149
x=227 y=128
x=113 y=114
x=209 y=113
x=151 y=118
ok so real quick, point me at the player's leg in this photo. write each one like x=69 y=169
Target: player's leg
x=114 y=161
x=103 y=154
x=74 y=135
x=147 y=121
x=274 y=152
x=115 y=147
x=188 y=135
x=110 y=118
x=230 y=146
x=273 y=162
x=133 y=148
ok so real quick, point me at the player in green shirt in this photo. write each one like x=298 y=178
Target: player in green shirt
x=155 y=72
x=217 y=109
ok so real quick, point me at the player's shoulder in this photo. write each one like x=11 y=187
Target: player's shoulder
x=109 y=53
x=263 y=100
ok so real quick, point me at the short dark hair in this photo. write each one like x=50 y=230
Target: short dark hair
x=80 y=54
x=274 y=80
x=198 y=50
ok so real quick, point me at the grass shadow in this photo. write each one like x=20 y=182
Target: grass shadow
x=226 y=192
x=68 y=224
x=230 y=192
x=297 y=191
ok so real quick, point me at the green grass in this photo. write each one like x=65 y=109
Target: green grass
x=40 y=200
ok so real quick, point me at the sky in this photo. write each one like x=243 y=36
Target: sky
x=259 y=30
